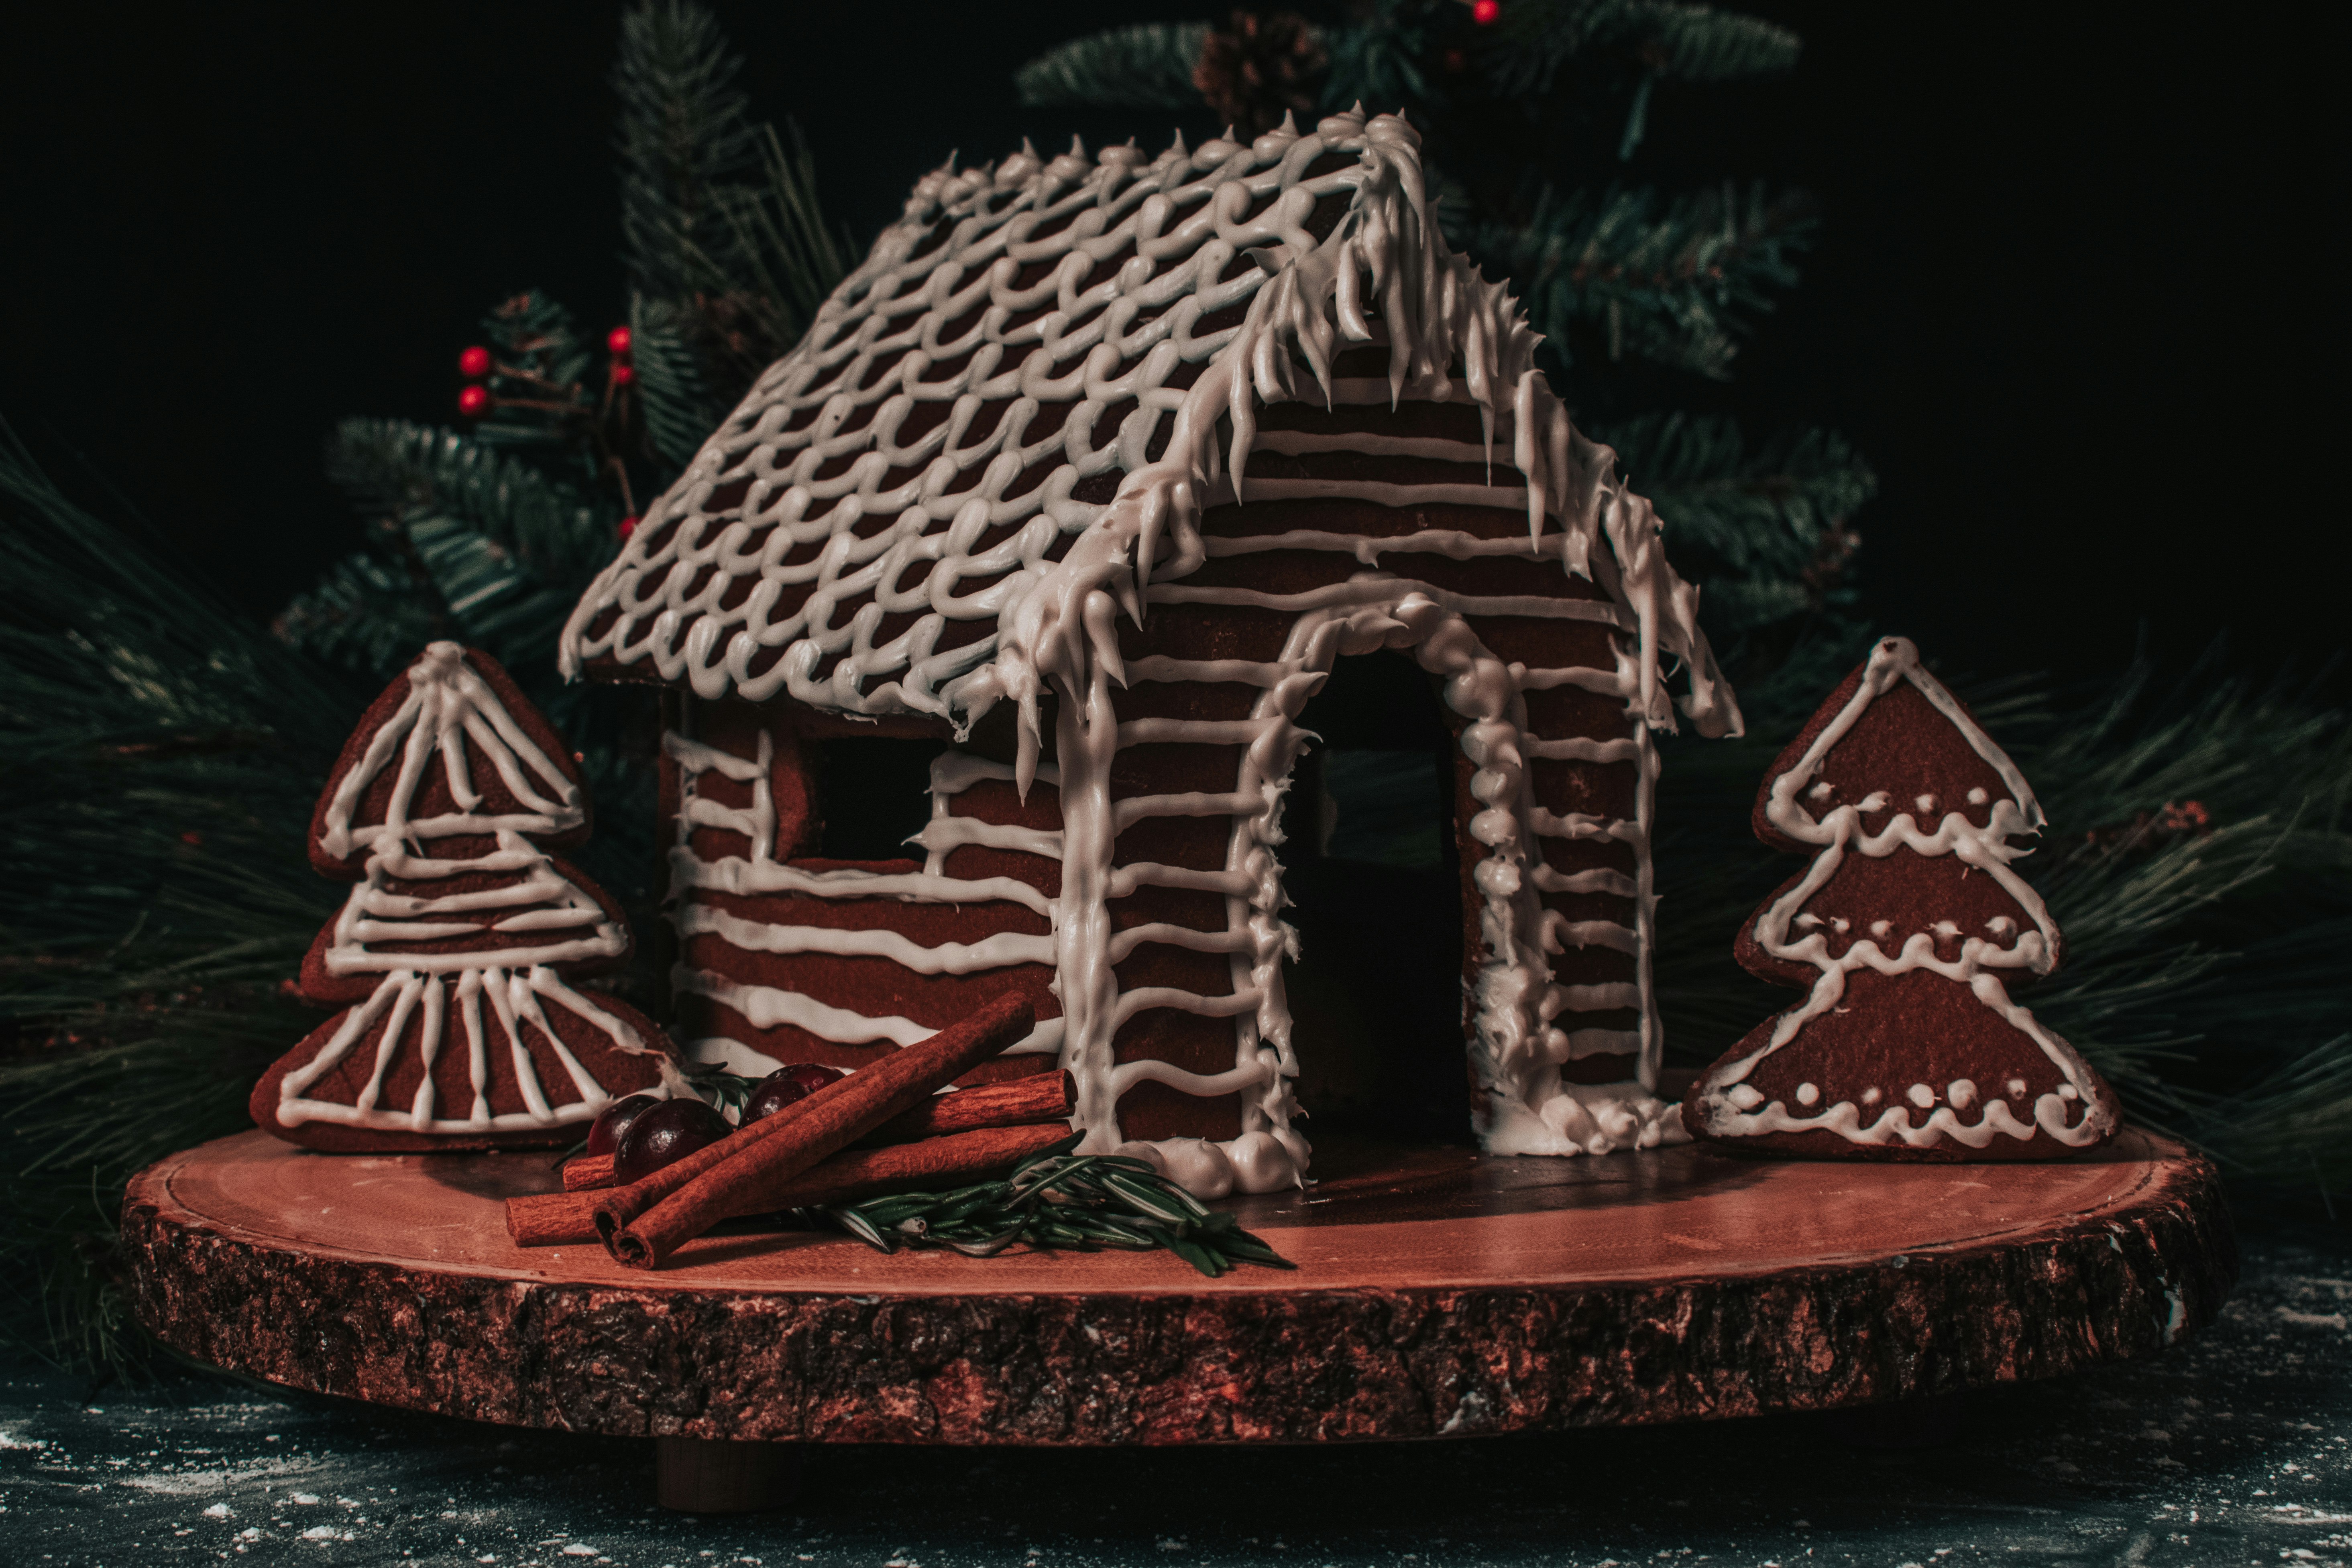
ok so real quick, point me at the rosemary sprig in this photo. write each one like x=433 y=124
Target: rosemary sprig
x=1055 y=1200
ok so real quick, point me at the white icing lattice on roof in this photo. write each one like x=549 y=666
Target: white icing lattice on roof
x=1023 y=346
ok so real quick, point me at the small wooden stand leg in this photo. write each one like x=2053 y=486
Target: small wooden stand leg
x=695 y=1475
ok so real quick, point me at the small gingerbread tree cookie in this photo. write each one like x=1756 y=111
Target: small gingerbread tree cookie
x=1909 y=930
x=455 y=948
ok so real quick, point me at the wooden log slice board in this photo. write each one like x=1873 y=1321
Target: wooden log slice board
x=1438 y=1293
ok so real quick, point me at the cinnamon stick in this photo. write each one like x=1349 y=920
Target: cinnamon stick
x=1024 y=1102
x=955 y=1160
x=643 y=1222
x=587 y=1172
x=553 y=1219
x=1042 y=1099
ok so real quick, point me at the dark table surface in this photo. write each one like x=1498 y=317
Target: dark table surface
x=2234 y=1448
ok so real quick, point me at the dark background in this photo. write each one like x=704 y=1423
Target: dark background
x=2074 y=298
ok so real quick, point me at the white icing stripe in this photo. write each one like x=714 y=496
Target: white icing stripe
x=1582 y=1043
x=1357 y=591
x=1500 y=498
x=1576 y=748
x=1560 y=933
x=943 y=835
x=749 y=878
x=1368 y=547
x=1126 y=813
x=1609 y=996
x=1125 y=880
x=1298 y=443
x=947 y=958
x=1600 y=881
x=516 y=997
x=1578 y=825
x=769 y=1007
x=1189 y=731
x=1126 y=1074
x=1144 y=998
x=952 y=773
x=1206 y=671
x=1607 y=682
x=1127 y=942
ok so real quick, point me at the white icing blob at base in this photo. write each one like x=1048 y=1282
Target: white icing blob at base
x=1258 y=1161
x=1595 y=1119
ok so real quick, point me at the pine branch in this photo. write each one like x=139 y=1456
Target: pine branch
x=787 y=260
x=400 y=468
x=154 y=748
x=1536 y=39
x=1671 y=282
x=1768 y=531
x=1147 y=65
x=684 y=134
x=679 y=410
x=1381 y=59
x=1058 y=1199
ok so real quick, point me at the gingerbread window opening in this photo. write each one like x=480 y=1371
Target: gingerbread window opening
x=872 y=796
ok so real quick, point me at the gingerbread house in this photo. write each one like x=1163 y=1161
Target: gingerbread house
x=1075 y=493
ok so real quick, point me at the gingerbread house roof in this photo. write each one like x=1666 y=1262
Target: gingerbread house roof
x=1006 y=423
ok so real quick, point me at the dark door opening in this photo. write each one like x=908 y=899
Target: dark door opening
x=1373 y=877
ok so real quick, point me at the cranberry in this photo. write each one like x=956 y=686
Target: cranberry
x=813 y=1076
x=786 y=1085
x=669 y=1132
x=605 y=1133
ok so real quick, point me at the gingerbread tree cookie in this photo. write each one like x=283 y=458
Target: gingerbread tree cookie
x=1909 y=930
x=456 y=945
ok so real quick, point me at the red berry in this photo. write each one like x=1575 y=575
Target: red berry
x=623 y=375
x=474 y=364
x=662 y=1135
x=617 y=340
x=473 y=402
x=1485 y=11
x=813 y=1076
x=776 y=1090
x=628 y=527
x=786 y=1086
x=605 y=1133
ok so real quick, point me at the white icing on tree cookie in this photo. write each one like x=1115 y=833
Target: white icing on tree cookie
x=1798 y=805
x=515 y=917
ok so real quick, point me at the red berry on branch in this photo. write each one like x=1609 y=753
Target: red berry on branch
x=623 y=375
x=474 y=362
x=473 y=402
x=1485 y=11
x=618 y=339
x=628 y=527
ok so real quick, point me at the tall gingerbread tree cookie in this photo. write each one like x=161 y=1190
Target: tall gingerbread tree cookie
x=1908 y=930
x=455 y=950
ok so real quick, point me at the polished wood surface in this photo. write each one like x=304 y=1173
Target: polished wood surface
x=1779 y=1283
